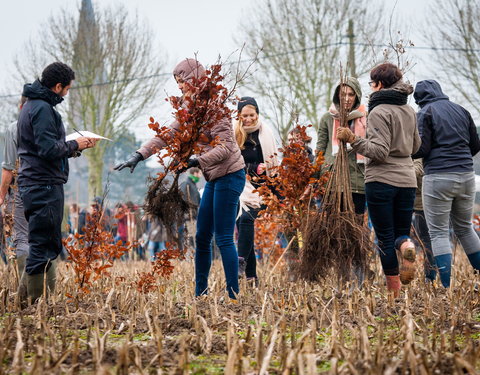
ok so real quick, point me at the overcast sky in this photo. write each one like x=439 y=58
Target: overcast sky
x=180 y=27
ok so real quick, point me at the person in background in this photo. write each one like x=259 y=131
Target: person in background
x=157 y=237
x=223 y=167
x=11 y=200
x=135 y=228
x=74 y=218
x=420 y=225
x=258 y=147
x=390 y=180
x=121 y=217
x=192 y=195
x=98 y=204
x=294 y=136
x=327 y=141
x=449 y=142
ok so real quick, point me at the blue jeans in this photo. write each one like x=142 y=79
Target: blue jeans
x=155 y=247
x=390 y=209
x=217 y=213
x=450 y=197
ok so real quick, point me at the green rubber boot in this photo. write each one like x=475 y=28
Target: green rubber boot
x=52 y=277
x=35 y=286
x=22 y=282
x=35 y=283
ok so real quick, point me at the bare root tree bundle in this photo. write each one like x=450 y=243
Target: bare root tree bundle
x=336 y=240
x=166 y=201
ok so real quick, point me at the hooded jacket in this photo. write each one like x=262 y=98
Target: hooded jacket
x=448 y=133
x=325 y=131
x=217 y=161
x=392 y=138
x=42 y=148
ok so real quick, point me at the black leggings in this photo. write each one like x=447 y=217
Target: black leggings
x=246 y=240
x=359 y=202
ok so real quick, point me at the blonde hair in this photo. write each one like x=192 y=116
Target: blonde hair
x=240 y=133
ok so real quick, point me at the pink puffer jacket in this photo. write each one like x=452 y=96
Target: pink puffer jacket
x=217 y=161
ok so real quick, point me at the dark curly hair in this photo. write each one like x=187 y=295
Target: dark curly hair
x=57 y=72
x=388 y=74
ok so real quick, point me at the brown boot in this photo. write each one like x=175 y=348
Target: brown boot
x=394 y=285
x=407 y=269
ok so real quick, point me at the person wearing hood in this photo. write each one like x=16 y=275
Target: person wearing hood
x=390 y=180
x=44 y=153
x=449 y=142
x=190 y=190
x=327 y=141
x=258 y=147
x=222 y=166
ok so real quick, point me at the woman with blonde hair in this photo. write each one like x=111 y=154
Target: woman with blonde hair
x=258 y=147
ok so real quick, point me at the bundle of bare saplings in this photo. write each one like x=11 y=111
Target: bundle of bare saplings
x=337 y=241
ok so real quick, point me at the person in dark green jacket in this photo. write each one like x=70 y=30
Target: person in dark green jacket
x=327 y=141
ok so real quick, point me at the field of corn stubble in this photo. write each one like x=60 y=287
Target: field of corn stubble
x=281 y=327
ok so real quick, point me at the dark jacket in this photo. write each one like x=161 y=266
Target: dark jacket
x=252 y=155
x=42 y=148
x=449 y=136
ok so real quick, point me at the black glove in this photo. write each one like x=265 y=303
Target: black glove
x=191 y=163
x=131 y=162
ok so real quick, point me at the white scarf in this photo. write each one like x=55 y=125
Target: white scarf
x=248 y=198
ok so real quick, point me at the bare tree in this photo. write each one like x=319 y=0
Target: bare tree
x=303 y=43
x=117 y=71
x=455 y=33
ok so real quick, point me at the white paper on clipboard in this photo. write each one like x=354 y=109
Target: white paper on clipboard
x=84 y=133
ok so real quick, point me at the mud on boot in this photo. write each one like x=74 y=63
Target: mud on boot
x=393 y=285
x=408 y=257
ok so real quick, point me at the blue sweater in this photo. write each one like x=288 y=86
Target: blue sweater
x=448 y=133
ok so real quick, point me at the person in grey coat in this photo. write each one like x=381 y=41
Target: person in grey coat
x=10 y=198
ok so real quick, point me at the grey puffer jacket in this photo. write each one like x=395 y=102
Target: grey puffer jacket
x=217 y=161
